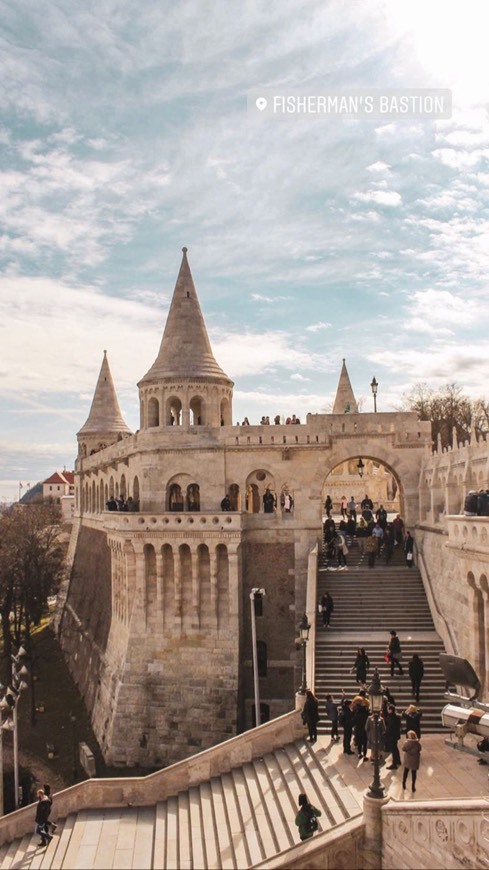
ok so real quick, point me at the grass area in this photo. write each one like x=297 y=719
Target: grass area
x=53 y=689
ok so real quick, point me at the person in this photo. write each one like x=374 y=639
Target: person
x=378 y=534
x=362 y=665
x=344 y=507
x=306 y=818
x=387 y=700
x=370 y=731
x=332 y=713
x=388 y=544
x=394 y=652
x=327 y=607
x=131 y=505
x=360 y=709
x=352 y=509
x=47 y=792
x=413 y=719
x=381 y=516
x=328 y=505
x=276 y=419
x=411 y=758
x=409 y=550
x=361 y=533
x=245 y=422
x=288 y=502
x=268 y=501
x=310 y=715
x=392 y=736
x=111 y=504
x=42 y=815
x=367 y=504
x=345 y=719
x=398 y=529
x=226 y=503
x=371 y=547
x=121 y=503
x=416 y=674
x=342 y=550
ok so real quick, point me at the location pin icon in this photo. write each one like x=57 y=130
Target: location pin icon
x=261 y=103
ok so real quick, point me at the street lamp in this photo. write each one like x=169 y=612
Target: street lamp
x=73 y=725
x=360 y=466
x=374 y=387
x=256 y=599
x=304 y=628
x=376 y=789
x=9 y=702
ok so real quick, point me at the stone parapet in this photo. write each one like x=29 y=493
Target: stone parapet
x=424 y=835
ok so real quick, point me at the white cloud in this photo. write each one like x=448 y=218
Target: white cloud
x=381 y=197
x=316 y=327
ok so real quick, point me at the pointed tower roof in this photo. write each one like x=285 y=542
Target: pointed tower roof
x=105 y=413
x=345 y=401
x=185 y=350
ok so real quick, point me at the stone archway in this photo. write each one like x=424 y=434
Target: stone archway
x=378 y=480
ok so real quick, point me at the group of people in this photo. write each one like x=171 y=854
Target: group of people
x=372 y=532
x=265 y=420
x=122 y=504
x=353 y=715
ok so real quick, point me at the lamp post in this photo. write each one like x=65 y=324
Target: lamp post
x=304 y=629
x=256 y=599
x=374 y=387
x=75 y=766
x=9 y=702
x=376 y=789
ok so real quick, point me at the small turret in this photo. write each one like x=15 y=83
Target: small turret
x=105 y=423
x=345 y=402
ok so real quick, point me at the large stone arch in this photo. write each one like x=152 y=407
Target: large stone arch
x=403 y=464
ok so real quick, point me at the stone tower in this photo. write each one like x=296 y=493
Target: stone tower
x=105 y=423
x=185 y=386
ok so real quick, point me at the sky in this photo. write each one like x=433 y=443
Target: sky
x=125 y=135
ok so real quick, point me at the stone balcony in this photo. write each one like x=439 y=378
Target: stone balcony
x=468 y=533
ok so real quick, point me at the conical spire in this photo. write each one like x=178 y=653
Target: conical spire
x=345 y=401
x=185 y=350
x=105 y=414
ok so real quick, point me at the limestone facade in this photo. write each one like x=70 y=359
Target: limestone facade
x=155 y=620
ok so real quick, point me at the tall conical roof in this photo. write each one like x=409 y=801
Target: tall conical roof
x=185 y=350
x=345 y=401
x=105 y=413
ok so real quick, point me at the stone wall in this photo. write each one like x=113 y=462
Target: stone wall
x=435 y=836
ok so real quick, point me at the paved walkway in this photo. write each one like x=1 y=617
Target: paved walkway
x=444 y=772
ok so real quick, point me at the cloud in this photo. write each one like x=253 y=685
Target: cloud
x=381 y=197
x=316 y=327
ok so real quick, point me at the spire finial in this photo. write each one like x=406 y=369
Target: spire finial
x=184 y=250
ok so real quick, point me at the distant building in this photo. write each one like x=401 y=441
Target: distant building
x=60 y=489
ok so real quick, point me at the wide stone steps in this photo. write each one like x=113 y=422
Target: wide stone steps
x=235 y=820
x=368 y=603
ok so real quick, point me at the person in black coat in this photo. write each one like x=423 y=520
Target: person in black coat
x=42 y=815
x=409 y=550
x=392 y=736
x=416 y=673
x=413 y=719
x=345 y=718
x=362 y=665
x=310 y=715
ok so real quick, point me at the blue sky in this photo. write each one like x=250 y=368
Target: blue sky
x=124 y=135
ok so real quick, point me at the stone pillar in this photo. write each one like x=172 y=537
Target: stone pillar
x=159 y=584
x=233 y=569
x=177 y=566
x=213 y=585
x=372 y=844
x=195 y=605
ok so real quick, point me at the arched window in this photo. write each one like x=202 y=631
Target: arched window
x=235 y=497
x=175 y=498
x=173 y=416
x=196 y=411
x=226 y=413
x=153 y=412
x=193 y=497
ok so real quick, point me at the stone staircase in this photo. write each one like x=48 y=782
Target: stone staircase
x=235 y=820
x=368 y=603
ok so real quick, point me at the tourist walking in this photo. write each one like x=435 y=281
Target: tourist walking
x=361 y=665
x=392 y=736
x=328 y=505
x=345 y=719
x=413 y=715
x=42 y=815
x=342 y=550
x=409 y=550
x=327 y=607
x=398 y=528
x=371 y=545
x=370 y=729
x=378 y=534
x=344 y=507
x=47 y=792
x=310 y=715
x=394 y=652
x=360 y=715
x=411 y=758
x=332 y=713
x=416 y=674
x=306 y=818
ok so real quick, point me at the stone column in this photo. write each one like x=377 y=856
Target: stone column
x=213 y=584
x=177 y=568
x=233 y=572
x=372 y=844
x=159 y=584
x=195 y=606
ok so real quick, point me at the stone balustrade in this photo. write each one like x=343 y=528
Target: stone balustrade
x=468 y=533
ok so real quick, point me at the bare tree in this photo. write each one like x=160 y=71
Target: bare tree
x=449 y=410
